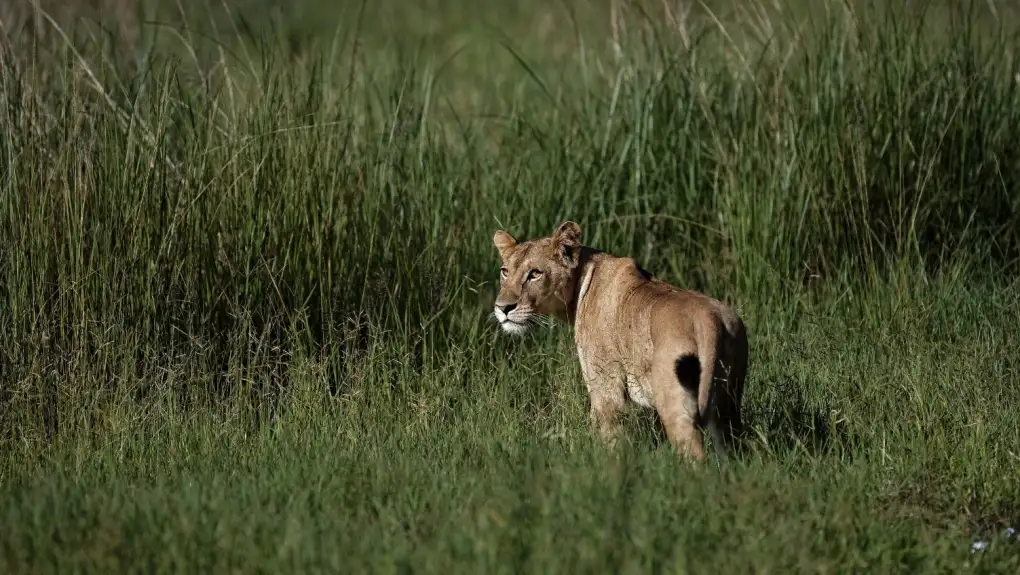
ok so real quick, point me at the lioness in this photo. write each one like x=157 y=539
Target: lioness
x=680 y=352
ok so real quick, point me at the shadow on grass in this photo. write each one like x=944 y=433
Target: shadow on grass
x=783 y=421
x=786 y=420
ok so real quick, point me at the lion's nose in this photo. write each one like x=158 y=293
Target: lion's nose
x=507 y=308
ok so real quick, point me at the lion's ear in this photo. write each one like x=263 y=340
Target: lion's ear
x=567 y=238
x=503 y=242
x=568 y=234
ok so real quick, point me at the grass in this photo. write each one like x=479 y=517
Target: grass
x=246 y=268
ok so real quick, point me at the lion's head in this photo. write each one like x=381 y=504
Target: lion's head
x=537 y=277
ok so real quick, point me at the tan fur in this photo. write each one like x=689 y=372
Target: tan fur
x=637 y=337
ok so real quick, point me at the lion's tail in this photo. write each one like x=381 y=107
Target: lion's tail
x=707 y=358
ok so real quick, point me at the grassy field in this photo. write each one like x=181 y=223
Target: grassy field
x=246 y=271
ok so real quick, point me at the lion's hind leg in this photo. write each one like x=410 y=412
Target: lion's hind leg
x=730 y=377
x=676 y=383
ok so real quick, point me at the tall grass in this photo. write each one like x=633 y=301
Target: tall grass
x=246 y=272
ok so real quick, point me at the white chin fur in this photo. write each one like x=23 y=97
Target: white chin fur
x=513 y=328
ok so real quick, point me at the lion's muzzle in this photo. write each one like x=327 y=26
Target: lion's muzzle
x=512 y=318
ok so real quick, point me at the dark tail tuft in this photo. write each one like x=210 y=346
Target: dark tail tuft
x=688 y=372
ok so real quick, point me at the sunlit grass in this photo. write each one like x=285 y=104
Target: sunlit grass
x=246 y=266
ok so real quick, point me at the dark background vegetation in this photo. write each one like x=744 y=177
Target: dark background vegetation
x=246 y=271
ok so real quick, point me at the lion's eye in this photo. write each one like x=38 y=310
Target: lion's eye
x=534 y=274
x=503 y=272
